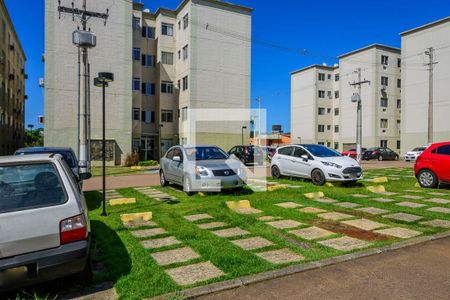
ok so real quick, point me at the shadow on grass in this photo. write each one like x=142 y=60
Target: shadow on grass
x=93 y=200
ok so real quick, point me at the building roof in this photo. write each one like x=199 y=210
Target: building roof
x=8 y=19
x=376 y=46
x=329 y=68
x=426 y=26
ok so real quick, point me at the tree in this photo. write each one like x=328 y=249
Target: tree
x=34 y=138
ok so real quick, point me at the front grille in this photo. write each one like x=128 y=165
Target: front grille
x=225 y=172
x=352 y=170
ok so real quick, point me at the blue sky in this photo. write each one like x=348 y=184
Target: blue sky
x=325 y=28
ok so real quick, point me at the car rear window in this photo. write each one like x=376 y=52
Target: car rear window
x=27 y=186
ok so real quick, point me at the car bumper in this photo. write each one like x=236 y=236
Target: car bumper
x=217 y=183
x=39 y=266
x=410 y=157
x=333 y=174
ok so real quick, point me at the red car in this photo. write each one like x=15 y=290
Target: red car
x=433 y=165
x=352 y=152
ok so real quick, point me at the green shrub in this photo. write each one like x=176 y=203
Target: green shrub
x=148 y=163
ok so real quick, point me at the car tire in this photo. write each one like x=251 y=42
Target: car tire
x=187 y=187
x=380 y=158
x=276 y=174
x=162 y=179
x=427 y=179
x=317 y=177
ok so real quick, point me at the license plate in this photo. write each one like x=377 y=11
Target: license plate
x=355 y=175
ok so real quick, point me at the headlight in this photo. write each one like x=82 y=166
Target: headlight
x=330 y=164
x=201 y=171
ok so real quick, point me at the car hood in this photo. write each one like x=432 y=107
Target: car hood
x=344 y=161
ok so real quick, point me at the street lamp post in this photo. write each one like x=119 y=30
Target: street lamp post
x=243 y=127
x=103 y=81
x=357 y=98
x=160 y=143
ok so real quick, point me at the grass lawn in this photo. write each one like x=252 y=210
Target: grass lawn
x=114 y=171
x=137 y=275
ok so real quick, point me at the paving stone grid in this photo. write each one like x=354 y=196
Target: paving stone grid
x=155 y=194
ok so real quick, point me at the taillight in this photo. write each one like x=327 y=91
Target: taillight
x=73 y=229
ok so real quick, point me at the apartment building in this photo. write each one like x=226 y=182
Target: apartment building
x=12 y=86
x=321 y=107
x=166 y=63
x=415 y=78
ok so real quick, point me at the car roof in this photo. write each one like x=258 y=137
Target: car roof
x=28 y=158
x=45 y=149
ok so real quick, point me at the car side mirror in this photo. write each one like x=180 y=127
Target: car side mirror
x=176 y=158
x=305 y=157
x=85 y=176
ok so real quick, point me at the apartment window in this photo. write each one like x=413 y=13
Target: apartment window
x=399 y=83
x=148 y=32
x=384 y=81
x=185 y=21
x=167 y=29
x=136 y=113
x=384 y=60
x=399 y=123
x=399 y=62
x=321 y=111
x=336 y=77
x=384 y=102
x=321 y=143
x=136 y=84
x=148 y=117
x=384 y=123
x=336 y=94
x=321 y=128
x=179 y=54
x=336 y=128
x=167 y=116
x=321 y=76
x=179 y=25
x=329 y=76
x=321 y=94
x=148 y=60
x=328 y=127
x=167 y=58
x=336 y=146
x=167 y=87
x=148 y=88
x=136 y=23
x=398 y=144
x=136 y=53
x=383 y=143
x=185 y=52
x=329 y=94
x=185 y=83
x=184 y=113
x=336 y=111
x=399 y=103
x=328 y=110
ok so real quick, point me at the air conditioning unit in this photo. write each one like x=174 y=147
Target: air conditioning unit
x=83 y=38
x=41 y=82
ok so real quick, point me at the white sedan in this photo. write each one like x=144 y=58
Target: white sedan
x=414 y=153
x=316 y=162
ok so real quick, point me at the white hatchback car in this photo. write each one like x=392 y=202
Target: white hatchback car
x=414 y=153
x=316 y=162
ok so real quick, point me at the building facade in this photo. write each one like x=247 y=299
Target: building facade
x=12 y=86
x=415 y=77
x=165 y=63
x=321 y=107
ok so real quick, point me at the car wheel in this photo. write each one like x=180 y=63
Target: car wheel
x=187 y=187
x=317 y=177
x=380 y=158
x=276 y=172
x=162 y=179
x=427 y=179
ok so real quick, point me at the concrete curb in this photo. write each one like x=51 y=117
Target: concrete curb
x=247 y=280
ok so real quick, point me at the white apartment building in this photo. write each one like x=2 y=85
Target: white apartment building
x=321 y=107
x=415 y=78
x=165 y=64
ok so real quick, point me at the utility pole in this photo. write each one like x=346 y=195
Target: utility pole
x=259 y=121
x=83 y=39
x=357 y=98
x=430 y=53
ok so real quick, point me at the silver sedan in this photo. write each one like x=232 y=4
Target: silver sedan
x=201 y=168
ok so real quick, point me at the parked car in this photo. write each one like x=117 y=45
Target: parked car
x=201 y=168
x=352 y=152
x=316 y=162
x=45 y=230
x=414 y=153
x=433 y=165
x=380 y=153
x=248 y=154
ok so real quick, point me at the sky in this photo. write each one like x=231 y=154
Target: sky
x=325 y=29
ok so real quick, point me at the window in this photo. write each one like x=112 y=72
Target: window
x=321 y=94
x=184 y=113
x=136 y=84
x=321 y=128
x=167 y=29
x=399 y=124
x=285 y=151
x=136 y=23
x=185 y=83
x=399 y=103
x=321 y=143
x=336 y=111
x=336 y=128
x=336 y=77
x=399 y=62
x=329 y=76
x=148 y=32
x=179 y=25
x=336 y=146
x=384 y=102
x=336 y=94
x=329 y=94
x=185 y=52
x=167 y=58
x=384 y=60
x=321 y=76
x=328 y=127
x=135 y=144
x=328 y=110
x=148 y=60
x=384 y=81
x=383 y=143
x=383 y=123
x=179 y=54
x=298 y=152
x=136 y=53
x=321 y=111
x=398 y=144
x=148 y=117
x=136 y=113
x=148 y=88
x=185 y=21
x=167 y=87
x=328 y=144
x=399 y=83
x=167 y=116
x=443 y=150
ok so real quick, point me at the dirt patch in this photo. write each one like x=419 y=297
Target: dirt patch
x=352 y=231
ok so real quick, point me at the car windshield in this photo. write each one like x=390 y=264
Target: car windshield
x=205 y=153
x=29 y=186
x=321 y=151
x=419 y=149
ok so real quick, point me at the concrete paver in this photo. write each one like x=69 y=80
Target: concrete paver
x=194 y=273
x=311 y=233
x=364 y=224
x=252 y=243
x=281 y=256
x=345 y=243
x=399 y=232
x=169 y=257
